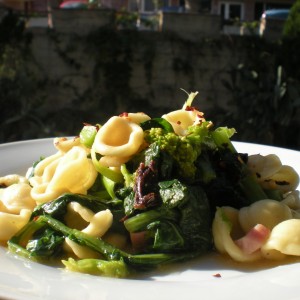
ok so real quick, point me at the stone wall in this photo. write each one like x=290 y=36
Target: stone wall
x=162 y=64
x=82 y=72
x=176 y=65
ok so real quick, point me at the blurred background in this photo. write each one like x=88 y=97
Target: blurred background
x=66 y=63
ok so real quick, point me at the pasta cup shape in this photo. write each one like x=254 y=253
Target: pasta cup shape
x=75 y=172
x=64 y=144
x=264 y=166
x=80 y=251
x=284 y=240
x=118 y=137
x=10 y=224
x=17 y=197
x=182 y=119
x=113 y=161
x=271 y=174
x=225 y=230
x=267 y=212
x=12 y=179
x=94 y=224
x=286 y=179
x=137 y=118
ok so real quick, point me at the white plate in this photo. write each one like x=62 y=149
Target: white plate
x=22 y=279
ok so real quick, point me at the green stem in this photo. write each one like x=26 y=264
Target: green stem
x=252 y=190
x=112 y=253
x=18 y=243
x=112 y=175
x=221 y=137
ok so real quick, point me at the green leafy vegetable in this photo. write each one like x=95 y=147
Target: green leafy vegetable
x=109 y=252
x=45 y=243
x=115 y=268
x=87 y=135
x=58 y=208
x=183 y=149
x=157 y=123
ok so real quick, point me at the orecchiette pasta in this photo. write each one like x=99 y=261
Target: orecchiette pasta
x=113 y=161
x=270 y=227
x=71 y=172
x=11 y=179
x=267 y=212
x=286 y=179
x=98 y=223
x=75 y=172
x=77 y=216
x=17 y=197
x=118 y=138
x=45 y=163
x=64 y=144
x=89 y=223
x=183 y=118
x=226 y=230
x=10 y=223
x=292 y=200
x=16 y=206
x=80 y=251
x=271 y=174
x=284 y=240
x=264 y=166
x=137 y=118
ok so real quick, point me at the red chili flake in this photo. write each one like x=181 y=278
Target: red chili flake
x=124 y=114
x=36 y=218
x=190 y=108
x=218 y=275
x=178 y=122
x=60 y=140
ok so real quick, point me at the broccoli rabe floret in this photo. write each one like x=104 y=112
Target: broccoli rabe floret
x=184 y=149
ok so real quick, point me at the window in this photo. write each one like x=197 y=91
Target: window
x=231 y=10
x=153 y=5
x=147 y=5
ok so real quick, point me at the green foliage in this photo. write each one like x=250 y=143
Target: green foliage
x=251 y=26
x=126 y=20
x=11 y=29
x=265 y=94
x=292 y=24
x=265 y=106
x=18 y=83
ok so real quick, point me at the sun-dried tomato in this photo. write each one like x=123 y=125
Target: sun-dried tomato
x=146 y=187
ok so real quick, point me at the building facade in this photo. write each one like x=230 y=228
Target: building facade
x=230 y=10
x=246 y=10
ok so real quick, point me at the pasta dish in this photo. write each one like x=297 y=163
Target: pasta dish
x=137 y=192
